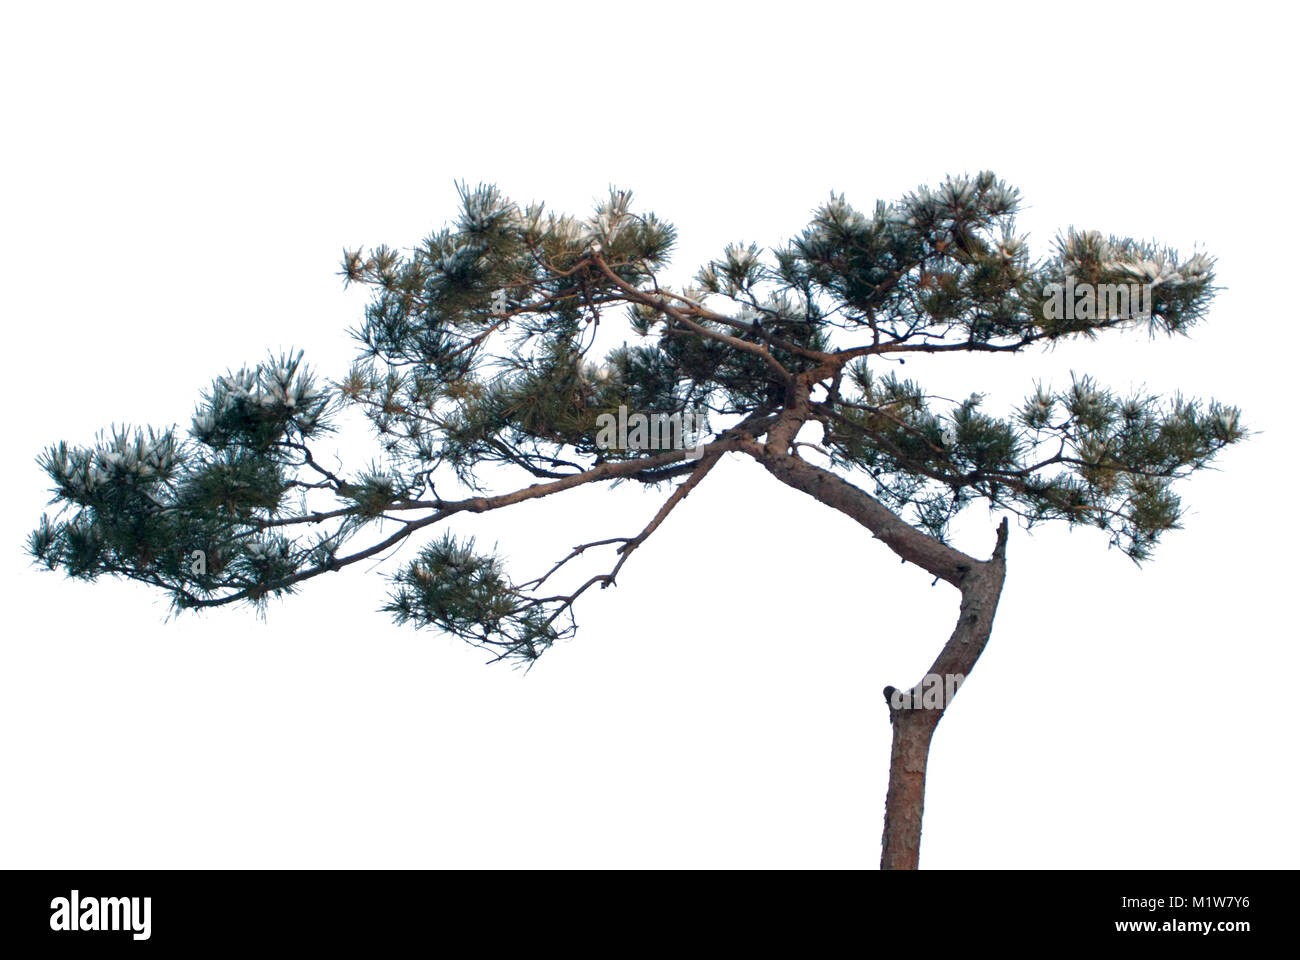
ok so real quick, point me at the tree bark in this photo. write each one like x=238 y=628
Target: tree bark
x=905 y=799
x=915 y=713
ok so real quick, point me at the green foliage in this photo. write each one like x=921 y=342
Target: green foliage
x=1082 y=454
x=479 y=352
x=469 y=596
x=145 y=504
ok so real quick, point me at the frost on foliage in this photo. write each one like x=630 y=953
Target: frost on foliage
x=486 y=346
x=256 y=407
x=146 y=504
x=139 y=458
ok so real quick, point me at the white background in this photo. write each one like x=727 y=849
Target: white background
x=177 y=188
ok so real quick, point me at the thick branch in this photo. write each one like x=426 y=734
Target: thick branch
x=913 y=545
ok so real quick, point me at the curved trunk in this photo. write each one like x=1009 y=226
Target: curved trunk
x=914 y=713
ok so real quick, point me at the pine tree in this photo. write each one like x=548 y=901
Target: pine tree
x=478 y=363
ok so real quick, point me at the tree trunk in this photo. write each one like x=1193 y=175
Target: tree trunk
x=905 y=800
x=913 y=713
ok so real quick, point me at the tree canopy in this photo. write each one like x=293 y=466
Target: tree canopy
x=478 y=363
